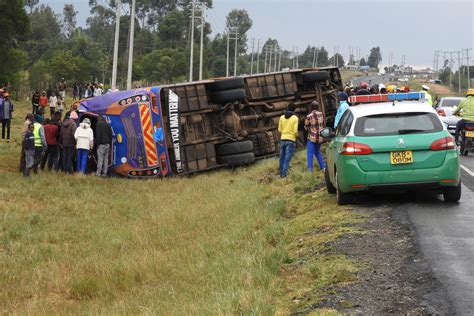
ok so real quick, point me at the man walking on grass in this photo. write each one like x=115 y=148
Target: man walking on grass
x=314 y=123
x=288 y=127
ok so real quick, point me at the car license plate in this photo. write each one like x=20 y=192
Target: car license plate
x=469 y=134
x=401 y=157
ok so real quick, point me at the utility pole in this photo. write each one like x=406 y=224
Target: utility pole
x=450 y=68
x=202 y=7
x=459 y=71
x=258 y=55
x=251 y=62
x=468 y=70
x=297 y=63
x=266 y=55
x=236 y=48
x=117 y=30
x=276 y=58
x=279 y=60
x=317 y=55
x=227 y=60
x=130 y=50
x=270 y=49
x=192 y=43
x=314 y=56
x=294 y=60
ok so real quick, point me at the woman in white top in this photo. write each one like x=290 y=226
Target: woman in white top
x=84 y=143
x=53 y=100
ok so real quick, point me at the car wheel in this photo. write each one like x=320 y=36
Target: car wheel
x=341 y=197
x=452 y=194
x=331 y=189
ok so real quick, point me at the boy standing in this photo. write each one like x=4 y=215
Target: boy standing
x=29 y=145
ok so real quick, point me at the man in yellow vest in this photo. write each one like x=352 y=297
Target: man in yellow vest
x=288 y=127
x=428 y=97
x=40 y=142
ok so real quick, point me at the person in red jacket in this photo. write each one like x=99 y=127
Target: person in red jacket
x=51 y=133
x=43 y=102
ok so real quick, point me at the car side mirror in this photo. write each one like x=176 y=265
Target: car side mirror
x=326 y=132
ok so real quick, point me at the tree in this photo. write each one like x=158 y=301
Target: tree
x=240 y=21
x=337 y=60
x=14 y=26
x=69 y=19
x=45 y=35
x=101 y=24
x=172 y=30
x=362 y=62
x=323 y=57
x=165 y=66
x=351 y=60
x=31 y=4
x=375 y=57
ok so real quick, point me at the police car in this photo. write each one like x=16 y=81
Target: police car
x=390 y=143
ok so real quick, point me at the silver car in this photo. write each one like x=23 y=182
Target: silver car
x=445 y=108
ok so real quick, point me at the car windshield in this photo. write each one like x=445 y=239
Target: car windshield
x=450 y=102
x=397 y=124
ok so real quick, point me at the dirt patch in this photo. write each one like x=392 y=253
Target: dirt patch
x=394 y=277
x=436 y=88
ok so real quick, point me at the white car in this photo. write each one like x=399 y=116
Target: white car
x=445 y=108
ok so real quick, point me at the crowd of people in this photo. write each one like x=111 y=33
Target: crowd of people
x=56 y=144
x=69 y=144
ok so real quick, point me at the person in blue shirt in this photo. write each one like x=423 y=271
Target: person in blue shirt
x=343 y=106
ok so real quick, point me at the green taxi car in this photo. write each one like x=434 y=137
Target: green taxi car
x=391 y=147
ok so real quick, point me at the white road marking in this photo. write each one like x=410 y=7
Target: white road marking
x=471 y=173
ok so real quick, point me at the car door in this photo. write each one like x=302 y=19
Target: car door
x=336 y=143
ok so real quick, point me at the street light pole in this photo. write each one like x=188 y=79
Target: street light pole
x=117 y=30
x=227 y=60
x=192 y=44
x=202 y=40
x=130 y=51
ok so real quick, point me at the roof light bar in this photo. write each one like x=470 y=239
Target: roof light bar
x=386 y=97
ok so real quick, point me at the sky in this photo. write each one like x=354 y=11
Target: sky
x=413 y=28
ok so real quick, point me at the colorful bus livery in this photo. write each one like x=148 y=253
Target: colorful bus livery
x=138 y=148
x=190 y=127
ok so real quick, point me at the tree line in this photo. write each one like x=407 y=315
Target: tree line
x=41 y=46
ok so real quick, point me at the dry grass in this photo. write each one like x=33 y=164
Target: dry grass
x=226 y=242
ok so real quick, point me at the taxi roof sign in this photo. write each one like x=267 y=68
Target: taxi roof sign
x=372 y=98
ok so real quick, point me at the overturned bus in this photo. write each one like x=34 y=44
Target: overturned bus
x=185 y=128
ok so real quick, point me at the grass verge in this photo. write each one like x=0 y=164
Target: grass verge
x=226 y=242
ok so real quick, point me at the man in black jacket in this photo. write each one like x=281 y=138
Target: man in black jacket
x=103 y=139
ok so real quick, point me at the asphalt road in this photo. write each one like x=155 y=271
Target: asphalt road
x=371 y=80
x=445 y=236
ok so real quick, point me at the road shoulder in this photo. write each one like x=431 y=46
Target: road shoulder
x=396 y=277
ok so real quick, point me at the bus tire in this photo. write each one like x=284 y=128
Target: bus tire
x=228 y=96
x=235 y=148
x=227 y=84
x=315 y=76
x=237 y=159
